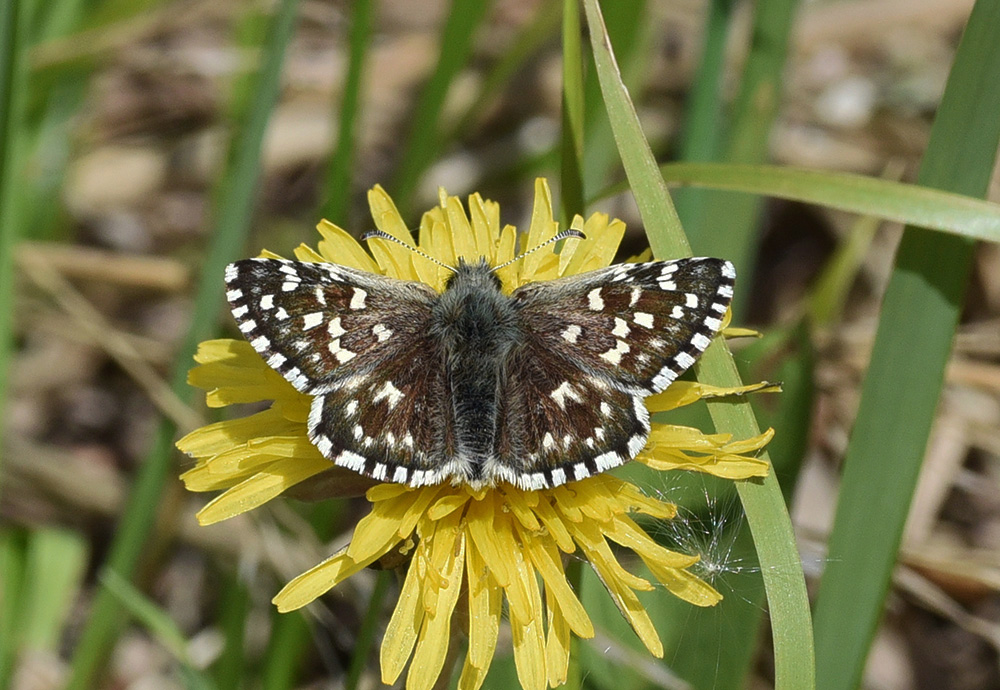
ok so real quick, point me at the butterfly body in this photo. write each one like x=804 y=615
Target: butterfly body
x=536 y=388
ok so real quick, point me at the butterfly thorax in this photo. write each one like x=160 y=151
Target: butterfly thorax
x=477 y=327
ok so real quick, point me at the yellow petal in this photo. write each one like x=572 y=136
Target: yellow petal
x=554 y=524
x=682 y=393
x=685 y=585
x=393 y=258
x=338 y=247
x=479 y=523
x=404 y=626
x=625 y=532
x=260 y=450
x=448 y=503
x=387 y=522
x=315 y=582
x=306 y=253
x=432 y=645
x=485 y=607
x=485 y=223
x=261 y=488
x=591 y=540
x=529 y=635
x=542 y=227
x=508 y=275
x=545 y=558
x=221 y=436
x=630 y=606
x=557 y=644
x=461 y=231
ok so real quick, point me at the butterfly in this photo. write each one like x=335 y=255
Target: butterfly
x=472 y=386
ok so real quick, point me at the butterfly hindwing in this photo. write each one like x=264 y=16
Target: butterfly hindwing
x=559 y=423
x=317 y=323
x=393 y=425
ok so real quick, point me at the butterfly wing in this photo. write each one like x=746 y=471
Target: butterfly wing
x=595 y=345
x=318 y=324
x=360 y=344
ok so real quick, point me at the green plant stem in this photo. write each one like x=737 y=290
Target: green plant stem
x=901 y=390
x=235 y=200
x=340 y=172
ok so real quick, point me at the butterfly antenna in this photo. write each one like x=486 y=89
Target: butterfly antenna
x=565 y=234
x=386 y=236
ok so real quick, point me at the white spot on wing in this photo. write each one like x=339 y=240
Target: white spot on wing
x=621 y=328
x=548 y=443
x=267 y=302
x=233 y=295
x=572 y=333
x=381 y=331
x=564 y=391
x=615 y=355
x=690 y=300
x=594 y=300
x=389 y=393
x=358 y=300
x=335 y=329
x=684 y=360
x=312 y=320
x=700 y=341
x=643 y=319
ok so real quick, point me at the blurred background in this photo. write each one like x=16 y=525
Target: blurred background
x=134 y=147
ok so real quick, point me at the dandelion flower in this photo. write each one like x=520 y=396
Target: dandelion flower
x=470 y=545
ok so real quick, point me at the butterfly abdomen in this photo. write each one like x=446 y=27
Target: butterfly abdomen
x=477 y=326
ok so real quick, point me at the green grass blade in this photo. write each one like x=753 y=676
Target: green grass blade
x=158 y=623
x=340 y=173
x=765 y=507
x=703 y=121
x=729 y=226
x=291 y=635
x=914 y=204
x=369 y=627
x=53 y=572
x=423 y=144
x=530 y=40
x=235 y=199
x=13 y=547
x=630 y=31
x=11 y=65
x=229 y=670
x=571 y=148
x=900 y=394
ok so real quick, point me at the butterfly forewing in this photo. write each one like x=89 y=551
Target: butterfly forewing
x=637 y=325
x=318 y=323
